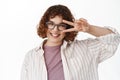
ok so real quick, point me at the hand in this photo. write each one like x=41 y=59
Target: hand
x=79 y=25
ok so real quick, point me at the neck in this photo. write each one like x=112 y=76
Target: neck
x=52 y=43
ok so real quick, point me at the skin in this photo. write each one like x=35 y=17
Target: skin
x=55 y=37
x=82 y=25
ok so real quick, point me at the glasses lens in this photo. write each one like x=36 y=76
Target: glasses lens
x=50 y=24
x=62 y=26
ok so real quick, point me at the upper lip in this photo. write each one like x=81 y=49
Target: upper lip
x=55 y=34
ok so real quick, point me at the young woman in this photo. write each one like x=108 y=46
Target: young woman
x=60 y=56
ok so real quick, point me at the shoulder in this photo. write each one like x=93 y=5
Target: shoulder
x=31 y=53
x=36 y=50
x=78 y=43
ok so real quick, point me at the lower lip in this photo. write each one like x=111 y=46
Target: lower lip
x=55 y=36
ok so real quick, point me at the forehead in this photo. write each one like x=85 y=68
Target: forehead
x=57 y=19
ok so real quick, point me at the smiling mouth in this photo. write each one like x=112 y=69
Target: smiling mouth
x=54 y=35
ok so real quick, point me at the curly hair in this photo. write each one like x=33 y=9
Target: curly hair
x=51 y=12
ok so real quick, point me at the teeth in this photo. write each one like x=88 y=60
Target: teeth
x=55 y=35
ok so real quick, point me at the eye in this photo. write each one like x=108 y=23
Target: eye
x=49 y=23
x=62 y=25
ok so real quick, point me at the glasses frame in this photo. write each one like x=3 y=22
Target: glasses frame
x=56 y=25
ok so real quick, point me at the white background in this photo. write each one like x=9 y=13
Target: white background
x=18 y=20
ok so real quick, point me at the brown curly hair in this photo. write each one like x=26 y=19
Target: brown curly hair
x=51 y=12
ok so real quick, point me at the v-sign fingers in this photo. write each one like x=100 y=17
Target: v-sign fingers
x=69 y=30
x=68 y=22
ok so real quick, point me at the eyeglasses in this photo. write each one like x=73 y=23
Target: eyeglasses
x=51 y=25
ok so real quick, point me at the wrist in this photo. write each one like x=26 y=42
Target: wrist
x=89 y=28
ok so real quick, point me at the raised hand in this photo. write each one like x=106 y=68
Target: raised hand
x=79 y=25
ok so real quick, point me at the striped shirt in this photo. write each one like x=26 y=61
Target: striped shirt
x=80 y=58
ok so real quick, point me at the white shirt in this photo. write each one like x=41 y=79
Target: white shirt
x=80 y=59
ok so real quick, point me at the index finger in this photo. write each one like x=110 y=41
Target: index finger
x=68 y=22
x=69 y=30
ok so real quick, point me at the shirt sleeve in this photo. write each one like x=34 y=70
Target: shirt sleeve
x=104 y=47
x=24 y=70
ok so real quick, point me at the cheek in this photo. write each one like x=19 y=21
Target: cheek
x=63 y=34
x=47 y=33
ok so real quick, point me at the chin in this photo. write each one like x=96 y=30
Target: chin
x=56 y=41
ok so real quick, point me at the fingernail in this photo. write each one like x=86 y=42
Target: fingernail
x=63 y=20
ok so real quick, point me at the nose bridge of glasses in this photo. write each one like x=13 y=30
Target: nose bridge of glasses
x=55 y=27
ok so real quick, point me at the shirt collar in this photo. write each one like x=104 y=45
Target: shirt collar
x=40 y=50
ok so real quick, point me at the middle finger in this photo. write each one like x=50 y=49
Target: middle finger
x=68 y=22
